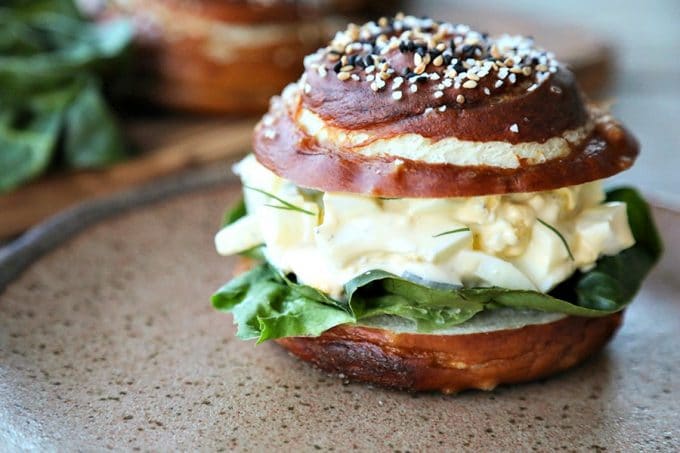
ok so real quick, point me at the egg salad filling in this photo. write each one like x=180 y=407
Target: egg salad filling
x=445 y=266
x=525 y=241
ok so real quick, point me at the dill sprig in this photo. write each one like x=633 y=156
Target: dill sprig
x=554 y=230
x=458 y=230
x=284 y=204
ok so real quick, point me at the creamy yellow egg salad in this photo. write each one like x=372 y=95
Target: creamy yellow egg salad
x=522 y=241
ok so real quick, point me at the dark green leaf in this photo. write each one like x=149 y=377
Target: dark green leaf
x=92 y=138
x=50 y=59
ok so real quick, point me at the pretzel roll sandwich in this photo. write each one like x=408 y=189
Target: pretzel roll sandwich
x=219 y=56
x=424 y=209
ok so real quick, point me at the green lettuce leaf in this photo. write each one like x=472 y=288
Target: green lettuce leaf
x=267 y=305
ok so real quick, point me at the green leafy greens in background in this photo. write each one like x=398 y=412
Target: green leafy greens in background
x=268 y=305
x=51 y=106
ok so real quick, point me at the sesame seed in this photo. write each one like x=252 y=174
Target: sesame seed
x=460 y=99
x=307 y=88
x=514 y=128
x=269 y=134
x=487 y=91
x=438 y=94
x=442 y=108
x=470 y=84
x=413 y=88
x=370 y=78
x=464 y=54
x=429 y=110
x=396 y=95
x=556 y=89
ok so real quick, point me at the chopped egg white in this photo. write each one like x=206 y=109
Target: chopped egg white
x=493 y=240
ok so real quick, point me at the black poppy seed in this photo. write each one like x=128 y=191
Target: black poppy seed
x=337 y=66
x=447 y=59
x=353 y=59
x=421 y=51
x=411 y=47
x=422 y=79
x=434 y=53
x=405 y=72
x=403 y=46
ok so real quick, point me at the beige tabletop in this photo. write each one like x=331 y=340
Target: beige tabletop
x=110 y=342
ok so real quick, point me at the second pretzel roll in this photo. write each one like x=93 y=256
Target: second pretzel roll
x=417 y=108
x=216 y=56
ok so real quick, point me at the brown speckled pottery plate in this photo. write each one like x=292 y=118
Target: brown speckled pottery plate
x=109 y=342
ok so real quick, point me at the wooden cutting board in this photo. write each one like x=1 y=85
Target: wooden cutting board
x=168 y=145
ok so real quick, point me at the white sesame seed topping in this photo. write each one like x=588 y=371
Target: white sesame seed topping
x=453 y=54
x=413 y=88
x=437 y=94
x=396 y=95
x=442 y=108
x=514 y=128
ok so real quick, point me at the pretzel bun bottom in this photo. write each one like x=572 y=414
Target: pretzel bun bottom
x=451 y=363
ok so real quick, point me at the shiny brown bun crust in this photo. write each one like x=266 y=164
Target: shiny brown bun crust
x=294 y=155
x=451 y=363
x=408 y=75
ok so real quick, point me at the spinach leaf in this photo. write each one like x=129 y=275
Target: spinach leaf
x=267 y=305
x=91 y=137
x=51 y=106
